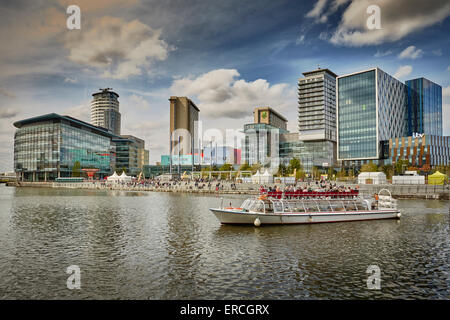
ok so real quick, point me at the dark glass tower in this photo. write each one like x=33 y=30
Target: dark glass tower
x=424 y=101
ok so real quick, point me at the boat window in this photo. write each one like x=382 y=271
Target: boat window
x=337 y=206
x=277 y=206
x=297 y=206
x=287 y=207
x=324 y=206
x=247 y=204
x=257 y=206
x=361 y=205
x=311 y=206
x=350 y=206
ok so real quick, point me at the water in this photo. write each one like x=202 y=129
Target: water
x=144 y=245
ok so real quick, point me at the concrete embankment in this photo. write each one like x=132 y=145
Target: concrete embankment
x=398 y=191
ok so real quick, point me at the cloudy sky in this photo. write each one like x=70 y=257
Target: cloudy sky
x=228 y=56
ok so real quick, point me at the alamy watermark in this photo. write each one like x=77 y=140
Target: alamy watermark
x=74 y=20
x=74 y=280
x=374 y=20
x=374 y=280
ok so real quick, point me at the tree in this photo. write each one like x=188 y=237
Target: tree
x=226 y=167
x=400 y=165
x=294 y=163
x=388 y=170
x=341 y=174
x=331 y=173
x=282 y=170
x=76 y=170
x=245 y=167
x=256 y=167
x=425 y=168
x=369 y=167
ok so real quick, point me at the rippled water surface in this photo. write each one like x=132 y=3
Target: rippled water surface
x=143 y=245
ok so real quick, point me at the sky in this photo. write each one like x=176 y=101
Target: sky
x=227 y=56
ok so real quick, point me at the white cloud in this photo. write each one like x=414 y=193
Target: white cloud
x=123 y=48
x=380 y=54
x=219 y=93
x=437 y=52
x=138 y=102
x=300 y=39
x=320 y=13
x=403 y=71
x=317 y=10
x=71 y=80
x=81 y=111
x=410 y=53
x=448 y=68
x=8 y=112
x=398 y=19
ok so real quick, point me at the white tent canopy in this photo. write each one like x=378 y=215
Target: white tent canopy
x=256 y=178
x=371 y=178
x=113 y=177
x=266 y=177
x=124 y=177
x=116 y=178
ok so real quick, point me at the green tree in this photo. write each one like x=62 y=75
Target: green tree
x=226 y=167
x=388 y=170
x=294 y=163
x=245 y=167
x=282 y=170
x=76 y=170
x=256 y=167
x=401 y=165
x=369 y=167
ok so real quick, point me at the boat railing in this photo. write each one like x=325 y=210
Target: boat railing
x=299 y=205
x=310 y=194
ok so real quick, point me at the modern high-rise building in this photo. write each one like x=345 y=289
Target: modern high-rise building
x=424 y=101
x=371 y=109
x=317 y=105
x=183 y=130
x=105 y=110
x=317 y=117
x=261 y=138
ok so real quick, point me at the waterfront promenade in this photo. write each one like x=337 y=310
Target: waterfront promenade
x=230 y=187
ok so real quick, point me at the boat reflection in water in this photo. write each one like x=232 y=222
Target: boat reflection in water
x=309 y=207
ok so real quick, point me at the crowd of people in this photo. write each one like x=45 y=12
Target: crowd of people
x=211 y=185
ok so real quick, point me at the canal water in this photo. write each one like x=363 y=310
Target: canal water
x=150 y=245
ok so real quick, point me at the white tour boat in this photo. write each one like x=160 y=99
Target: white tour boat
x=298 y=210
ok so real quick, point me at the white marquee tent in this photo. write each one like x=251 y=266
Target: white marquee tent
x=371 y=178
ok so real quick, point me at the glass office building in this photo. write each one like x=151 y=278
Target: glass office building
x=261 y=143
x=371 y=109
x=48 y=146
x=424 y=101
x=131 y=154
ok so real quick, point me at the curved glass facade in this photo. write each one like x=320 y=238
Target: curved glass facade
x=47 y=147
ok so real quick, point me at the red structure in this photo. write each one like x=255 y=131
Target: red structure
x=90 y=173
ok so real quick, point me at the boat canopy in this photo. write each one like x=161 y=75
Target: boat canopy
x=272 y=205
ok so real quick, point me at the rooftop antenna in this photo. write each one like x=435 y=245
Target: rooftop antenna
x=318 y=66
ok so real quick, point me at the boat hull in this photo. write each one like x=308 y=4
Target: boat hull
x=239 y=217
